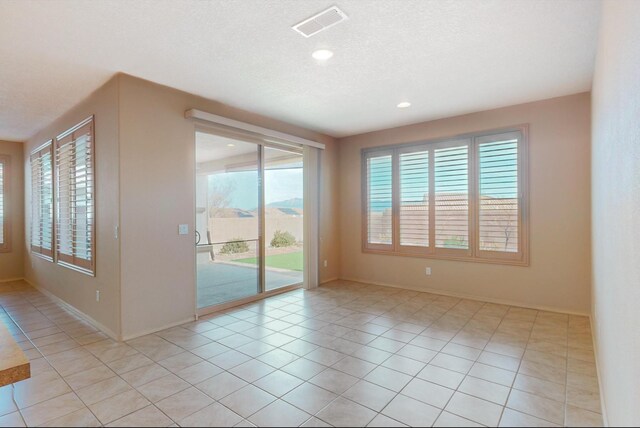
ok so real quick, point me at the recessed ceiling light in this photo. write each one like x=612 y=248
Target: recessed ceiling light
x=404 y=104
x=231 y=145
x=322 y=54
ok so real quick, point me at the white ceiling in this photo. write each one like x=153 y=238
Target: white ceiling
x=447 y=57
x=210 y=147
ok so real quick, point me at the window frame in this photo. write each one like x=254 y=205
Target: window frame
x=5 y=246
x=72 y=261
x=523 y=200
x=473 y=253
x=48 y=255
x=365 y=201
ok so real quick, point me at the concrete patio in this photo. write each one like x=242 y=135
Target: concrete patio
x=220 y=282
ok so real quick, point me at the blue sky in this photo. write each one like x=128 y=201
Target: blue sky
x=280 y=185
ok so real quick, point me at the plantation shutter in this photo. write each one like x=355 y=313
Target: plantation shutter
x=75 y=228
x=4 y=203
x=414 y=198
x=42 y=201
x=463 y=198
x=451 y=185
x=379 y=201
x=499 y=193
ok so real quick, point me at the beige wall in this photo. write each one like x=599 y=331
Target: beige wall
x=157 y=176
x=77 y=289
x=559 y=274
x=330 y=237
x=145 y=166
x=616 y=211
x=11 y=263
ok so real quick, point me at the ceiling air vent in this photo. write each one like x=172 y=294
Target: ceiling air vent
x=320 y=22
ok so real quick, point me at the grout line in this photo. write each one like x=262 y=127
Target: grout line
x=101 y=361
x=333 y=305
x=465 y=374
x=48 y=362
x=518 y=370
x=13 y=398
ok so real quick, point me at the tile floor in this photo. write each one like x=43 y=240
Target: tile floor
x=347 y=354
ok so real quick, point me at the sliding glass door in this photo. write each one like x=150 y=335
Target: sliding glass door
x=283 y=214
x=227 y=219
x=249 y=218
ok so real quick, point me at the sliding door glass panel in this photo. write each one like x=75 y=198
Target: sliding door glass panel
x=227 y=219
x=283 y=220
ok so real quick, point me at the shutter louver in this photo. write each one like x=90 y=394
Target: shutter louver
x=379 y=199
x=42 y=201
x=498 y=196
x=414 y=198
x=75 y=199
x=463 y=198
x=452 y=197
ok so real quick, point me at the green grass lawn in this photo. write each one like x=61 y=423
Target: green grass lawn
x=291 y=261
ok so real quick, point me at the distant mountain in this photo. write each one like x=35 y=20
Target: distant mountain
x=289 y=203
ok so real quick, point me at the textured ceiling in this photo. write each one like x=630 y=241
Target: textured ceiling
x=446 y=57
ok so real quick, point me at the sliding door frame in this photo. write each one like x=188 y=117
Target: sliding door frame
x=262 y=275
x=262 y=292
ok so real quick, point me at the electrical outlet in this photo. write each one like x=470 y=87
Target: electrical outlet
x=427 y=271
x=325 y=263
x=183 y=229
x=97 y=295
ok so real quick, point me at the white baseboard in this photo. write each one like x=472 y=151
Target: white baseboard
x=594 y=338
x=77 y=311
x=11 y=280
x=155 y=330
x=335 y=278
x=470 y=297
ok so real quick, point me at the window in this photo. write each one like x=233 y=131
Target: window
x=5 y=230
x=414 y=198
x=451 y=196
x=42 y=201
x=462 y=198
x=498 y=202
x=75 y=214
x=379 y=202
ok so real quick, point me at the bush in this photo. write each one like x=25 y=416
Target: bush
x=283 y=239
x=236 y=245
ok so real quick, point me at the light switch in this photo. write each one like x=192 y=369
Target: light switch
x=183 y=229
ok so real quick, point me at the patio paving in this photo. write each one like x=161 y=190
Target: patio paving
x=220 y=282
